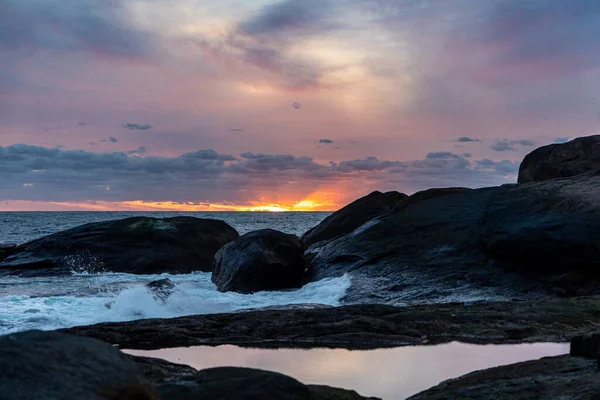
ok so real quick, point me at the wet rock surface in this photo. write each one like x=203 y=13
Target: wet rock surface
x=563 y=377
x=50 y=365
x=161 y=289
x=512 y=241
x=362 y=326
x=249 y=384
x=587 y=345
x=581 y=155
x=261 y=260
x=136 y=245
x=352 y=216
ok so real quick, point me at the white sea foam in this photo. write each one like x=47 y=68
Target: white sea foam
x=84 y=299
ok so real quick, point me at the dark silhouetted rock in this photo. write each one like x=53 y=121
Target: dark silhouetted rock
x=549 y=378
x=161 y=289
x=137 y=245
x=352 y=216
x=563 y=160
x=51 y=365
x=6 y=249
x=248 y=384
x=261 y=260
x=587 y=345
x=513 y=241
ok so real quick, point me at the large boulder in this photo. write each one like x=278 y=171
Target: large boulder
x=136 y=245
x=352 y=216
x=260 y=260
x=249 y=384
x=51 y=365
x=563 y=160
x=549 y=378
x=513 y=241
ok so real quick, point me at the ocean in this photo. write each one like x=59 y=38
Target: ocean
x=87 y=298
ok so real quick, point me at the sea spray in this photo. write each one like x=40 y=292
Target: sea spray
x=87 y=298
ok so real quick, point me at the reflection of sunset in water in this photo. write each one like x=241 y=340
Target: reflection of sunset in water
x=387 y=373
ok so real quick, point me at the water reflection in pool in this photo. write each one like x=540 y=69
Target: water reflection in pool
x=387 y=373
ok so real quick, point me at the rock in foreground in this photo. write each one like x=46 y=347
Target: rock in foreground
x=248 y=384
x=550 y=378
x=50 y=365
x=352 y=216
x=261 y=260
x=136 y=245
x=561 y=160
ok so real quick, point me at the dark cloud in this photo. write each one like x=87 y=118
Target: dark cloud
x=82 y=124
x=101 y=27
x=466 y=139
x=441 y=154
x=466 y=155
x=306 y=16
x=140 y=150
x=113 y=140
x=325 y=141
x=137 y=127
x=509 y=145
x=503 y=146
x=207 y=176
x=561 y=140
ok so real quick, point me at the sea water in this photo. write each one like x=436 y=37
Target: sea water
x=83 y=298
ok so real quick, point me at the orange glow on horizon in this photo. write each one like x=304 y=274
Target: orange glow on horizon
x=140 y=205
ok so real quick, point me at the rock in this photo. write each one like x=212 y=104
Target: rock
x=587 y=345
x=248 y=384
x=564 y=160
x=512 y=241
x=352 y=216
x=50 y=365
x=161 y=289
x=137 y=245
x=321 y=392
x=549 y=378
x=6 y=249
x=157 y=370
x=261 y=260
x=362 y=326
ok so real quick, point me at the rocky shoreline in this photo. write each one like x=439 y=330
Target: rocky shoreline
x=362 y=326
x=530 y=250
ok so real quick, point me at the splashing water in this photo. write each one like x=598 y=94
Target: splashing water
x=83 y=298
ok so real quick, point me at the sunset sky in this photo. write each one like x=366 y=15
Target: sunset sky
x=189 y=104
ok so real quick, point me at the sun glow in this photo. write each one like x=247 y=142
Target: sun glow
x=140 y=205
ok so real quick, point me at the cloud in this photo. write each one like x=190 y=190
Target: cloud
x=208 y=176
x=325 y=141
x=113 y=140
x=509 y=145
x=561 y=140
x=466 y=139
x=137 y=127
x=290 y=16
x=441 y=154
x=503 y=146
x=102 y=27
x=139 y=151
x=82 y=124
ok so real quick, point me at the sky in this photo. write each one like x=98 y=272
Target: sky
x=283 y=104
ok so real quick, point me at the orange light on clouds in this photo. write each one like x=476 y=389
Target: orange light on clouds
x=140 y=205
